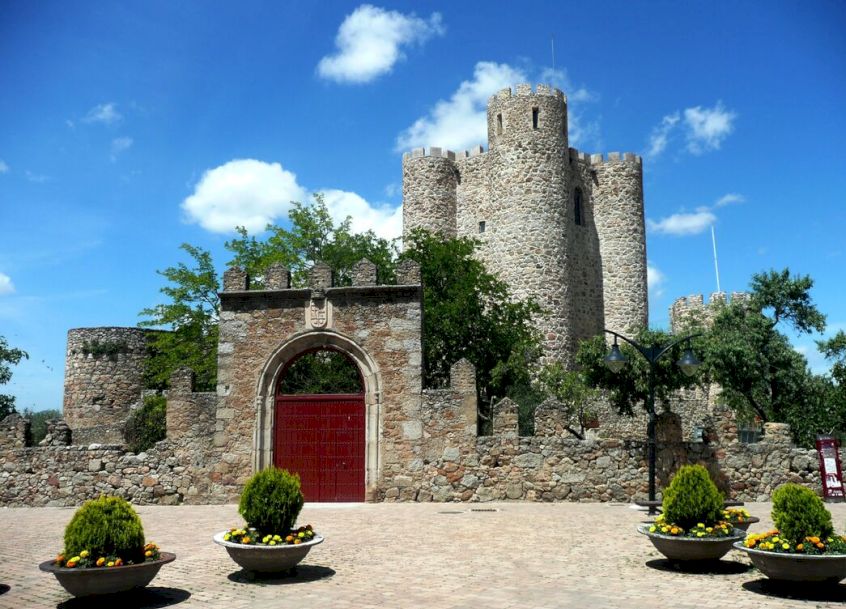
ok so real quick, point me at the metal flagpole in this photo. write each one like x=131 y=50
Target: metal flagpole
x=716 y=265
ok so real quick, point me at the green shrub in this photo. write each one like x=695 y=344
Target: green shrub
x=799 y=513
x=107 y=526
x=147 y=425
x=692 y=497
x=271 y=501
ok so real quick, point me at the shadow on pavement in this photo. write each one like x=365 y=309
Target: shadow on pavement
x=716 y=567
x=298 y=575
x=151 y=597
x=797 y=590
x=4 y=588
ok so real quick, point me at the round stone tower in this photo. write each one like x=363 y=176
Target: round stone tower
x=527 y=227
x=618 y=203
x=428 y=191
x=104 y=377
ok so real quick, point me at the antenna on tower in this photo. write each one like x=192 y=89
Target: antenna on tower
x=552 y=44
x=716 y=265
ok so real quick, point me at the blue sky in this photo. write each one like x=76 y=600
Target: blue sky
x=129 y=128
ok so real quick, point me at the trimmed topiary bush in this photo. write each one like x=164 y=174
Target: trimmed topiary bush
x=692 y=498
x=107 y=526
x=799 y=513
x=271 y=501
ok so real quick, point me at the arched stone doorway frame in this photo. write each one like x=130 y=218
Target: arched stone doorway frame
x=271 y=373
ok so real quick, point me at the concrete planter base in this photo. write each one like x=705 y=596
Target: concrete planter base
x=687 y=549
x=797 y=567
x=267 y=559
x=106 y=580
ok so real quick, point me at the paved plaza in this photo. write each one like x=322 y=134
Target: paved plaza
x=451 y=555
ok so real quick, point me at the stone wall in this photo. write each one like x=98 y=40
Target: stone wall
x=104 y=371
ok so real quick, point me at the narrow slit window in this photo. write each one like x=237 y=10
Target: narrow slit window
x=499 y=124
x=482 y=226
x=577 y=206
x=535 y=114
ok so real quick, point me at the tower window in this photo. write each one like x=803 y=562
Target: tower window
x=577 y=206
x=499 y=124
x=482 y=226
x=535 y=114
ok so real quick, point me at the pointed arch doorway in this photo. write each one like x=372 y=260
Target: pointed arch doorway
x=320 y=425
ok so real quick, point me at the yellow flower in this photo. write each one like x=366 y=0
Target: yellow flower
x=148 y=553
x=700 y=525
x=700 y=534
x=110 y=563
x=83 y=554
x=710 y=529
x=785 y=546
x=272 y=542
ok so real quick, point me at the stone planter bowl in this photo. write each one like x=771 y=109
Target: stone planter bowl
x=687 y=549
x=744 y=526
x=106 y=580
x=829 y=569
x=267 y=559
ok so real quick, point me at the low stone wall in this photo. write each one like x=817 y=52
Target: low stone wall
x=69 y=475
x=558 y=468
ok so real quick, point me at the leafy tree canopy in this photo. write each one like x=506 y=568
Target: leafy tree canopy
x=191 y=316
x=313 y=237
x=470 y=314
x=9 y=356
x=572 y=391
x=630 y=386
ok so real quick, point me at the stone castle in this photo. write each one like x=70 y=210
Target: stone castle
x=556 y=224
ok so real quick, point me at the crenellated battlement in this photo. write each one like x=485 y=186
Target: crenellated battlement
x=525 y=90
x=694 y=309
x=616 y=157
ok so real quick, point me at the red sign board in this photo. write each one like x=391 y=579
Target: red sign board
x=830 y=472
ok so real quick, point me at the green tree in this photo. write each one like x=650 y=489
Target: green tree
x=191 y=316
x=313 y=237
x=834 y=349
x=572 y=391
x=630 y=386
x=755 y=364
x=9 y=356
x=469 y=313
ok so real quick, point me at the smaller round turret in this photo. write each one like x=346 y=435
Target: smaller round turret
x=528 y=117
x=428 y=191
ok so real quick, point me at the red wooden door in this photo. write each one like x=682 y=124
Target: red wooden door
x=321 y=437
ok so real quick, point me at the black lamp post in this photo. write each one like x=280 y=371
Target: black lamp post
x=688 y=363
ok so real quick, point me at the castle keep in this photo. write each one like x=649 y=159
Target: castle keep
x=556 y=224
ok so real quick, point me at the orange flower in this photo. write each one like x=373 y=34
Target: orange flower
x=101 y=561
x=821 y=546
x=800 y=546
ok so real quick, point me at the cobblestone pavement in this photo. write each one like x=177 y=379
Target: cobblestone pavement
x=454 y=556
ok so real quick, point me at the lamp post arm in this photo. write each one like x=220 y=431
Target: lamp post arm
x=676 y=342
x=648 y=352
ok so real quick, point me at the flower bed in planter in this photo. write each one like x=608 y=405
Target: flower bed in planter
x=105 y=551
x=268 y=553
x=699 y=543
x=804 y=547
x=739 y=518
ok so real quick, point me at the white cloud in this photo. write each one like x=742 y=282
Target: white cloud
x=704 y=129
x=461 y=122
x=6 y=285
x=655 y=280
x=384 y=220
x=708 y=127
x=242 y=192
x=106 y=114
x=661 y=134
x=3 y=167
x=683 y=223
x=729 y=199
x=120 y=144
x=369 y=43
x=253 y=194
